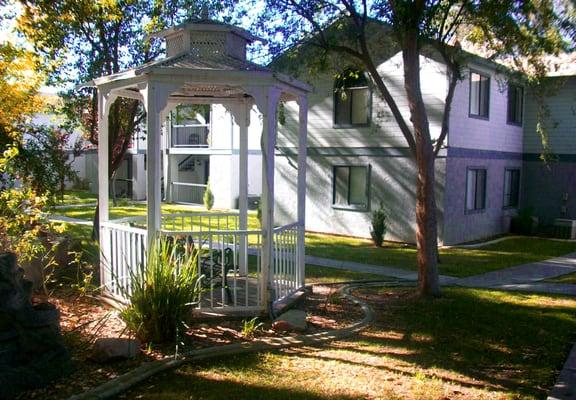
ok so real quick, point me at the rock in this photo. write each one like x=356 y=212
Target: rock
x=32 y=352
x=292 y=320
x=111 y=349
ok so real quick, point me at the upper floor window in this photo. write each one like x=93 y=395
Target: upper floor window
x=350 y=187
x=511 y=187
x=515 y=104
x=475 y=189
x=479 y=95
x=352 y=99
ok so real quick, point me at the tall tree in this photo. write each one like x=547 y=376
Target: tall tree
x=522 y=31
x=85 y=39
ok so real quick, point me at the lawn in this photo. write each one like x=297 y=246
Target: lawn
x=73 y=197
x=470 y=344
x=569 y=278
x=459 y=262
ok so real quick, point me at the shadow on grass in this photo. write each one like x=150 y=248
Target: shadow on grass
x=230 y=378
x=513 y=342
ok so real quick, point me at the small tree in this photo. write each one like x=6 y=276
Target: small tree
x=45 y=159
x=208 y=197
x=378 y=226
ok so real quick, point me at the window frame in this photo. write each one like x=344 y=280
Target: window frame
x=509 y=121
x=351 y=207
x=489 y=78
x=509 y=206
x=368 y=122
x=485 y=202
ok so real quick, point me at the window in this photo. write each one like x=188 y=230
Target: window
x=475 y=189
x=479 y=95
x=515 y=104
x=352 y=99
x=511 y=187
x=350 y=187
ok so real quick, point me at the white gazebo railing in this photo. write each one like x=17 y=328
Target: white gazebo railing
x=228 y=259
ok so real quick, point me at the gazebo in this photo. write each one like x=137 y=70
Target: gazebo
x=206 y=64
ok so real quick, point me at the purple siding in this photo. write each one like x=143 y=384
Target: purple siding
x=464 y=226
x=475 y=133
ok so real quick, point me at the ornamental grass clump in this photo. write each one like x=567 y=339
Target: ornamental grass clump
x=162 y=295
x=378 y=226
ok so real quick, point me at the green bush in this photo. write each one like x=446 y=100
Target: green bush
x=523 y=223
x=378 y=226
x=208 y=197
x=162 y=295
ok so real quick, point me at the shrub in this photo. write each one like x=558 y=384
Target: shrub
x=523 y=223
x=378 y=226
x=162 y=294
x=208 y=197
x=249 y=327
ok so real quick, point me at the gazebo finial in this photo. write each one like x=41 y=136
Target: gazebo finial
x=204 y=14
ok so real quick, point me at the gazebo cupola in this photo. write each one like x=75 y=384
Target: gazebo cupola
x=207 y=39
x=206 y=63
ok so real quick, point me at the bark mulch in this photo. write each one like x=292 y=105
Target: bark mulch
x=85 y=319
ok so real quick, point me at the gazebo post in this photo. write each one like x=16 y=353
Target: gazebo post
x=155 y=101
x=105 y=99
x=302 y=154
x=241 y=114
x=267 y=105
x=243 y=121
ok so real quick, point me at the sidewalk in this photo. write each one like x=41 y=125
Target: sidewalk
x=383 y=270
x=527 y=277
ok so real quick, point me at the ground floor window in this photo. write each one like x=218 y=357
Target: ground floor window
x=475 y=189
x=350 y=186
x=511 y=187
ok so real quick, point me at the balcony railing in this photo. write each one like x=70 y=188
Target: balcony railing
x=190 y=135
x=188 y=193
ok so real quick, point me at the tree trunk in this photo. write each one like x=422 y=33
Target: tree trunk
x=426 y=230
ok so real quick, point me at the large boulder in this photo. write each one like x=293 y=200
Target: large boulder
x=32 y=352
x=111 y=349
x=292 y=320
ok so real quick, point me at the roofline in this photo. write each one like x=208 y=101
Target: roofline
x=199 y=26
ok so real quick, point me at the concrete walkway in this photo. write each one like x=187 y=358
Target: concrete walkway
x=383 y=270
x=70 y=220
x=527 y=277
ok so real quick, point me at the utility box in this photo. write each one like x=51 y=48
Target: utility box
x=566 y=227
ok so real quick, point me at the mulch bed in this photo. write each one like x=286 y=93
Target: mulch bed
x=85 y=319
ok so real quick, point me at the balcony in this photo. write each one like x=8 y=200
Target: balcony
x=190 y=136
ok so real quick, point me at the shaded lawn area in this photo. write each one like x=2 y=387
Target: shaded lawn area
x=458 y=262
x=470 y=344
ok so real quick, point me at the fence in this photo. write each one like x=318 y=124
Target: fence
x=188 y=193
x=228 y=259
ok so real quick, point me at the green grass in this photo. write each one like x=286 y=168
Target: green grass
x=72 y=197
x=470 y=344
x=317 y=274
x=459 y=262
x=569 y=278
